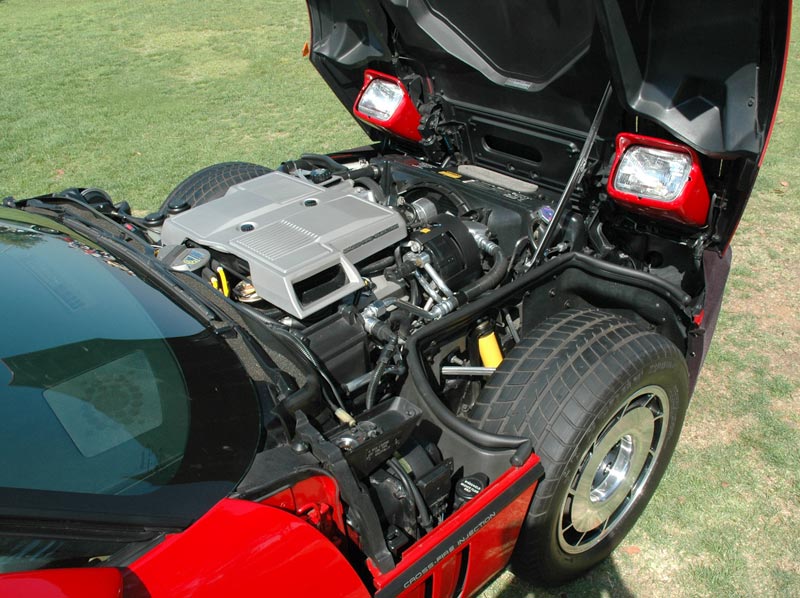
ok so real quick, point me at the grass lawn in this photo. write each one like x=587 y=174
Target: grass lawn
x=134 y=96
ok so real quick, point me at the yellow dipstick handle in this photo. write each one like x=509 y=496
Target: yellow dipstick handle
x=489 y=348
x=223 y=278
x=215 y=283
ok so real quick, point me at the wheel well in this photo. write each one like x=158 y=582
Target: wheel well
x=576 y=288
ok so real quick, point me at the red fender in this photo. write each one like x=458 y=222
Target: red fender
x=62 y=583
x=241 y=548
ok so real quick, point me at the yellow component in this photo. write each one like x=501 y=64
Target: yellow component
x=425 y=230
x=215 y=282
x=223 y=278
x=449 y=173
x=489 y=348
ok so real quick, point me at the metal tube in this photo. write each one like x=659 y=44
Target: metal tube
x=426 y=286
x=466 y=370
x=438 y=279
x=574 y=179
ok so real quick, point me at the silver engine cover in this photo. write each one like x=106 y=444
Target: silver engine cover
x=289 y=230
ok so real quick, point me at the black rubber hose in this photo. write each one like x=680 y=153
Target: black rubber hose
x=329 y=162
x=367 y=172
x=492 y=278
x=306 y=352
x=447 y=418
x=373 y=186
x=465 y=315
x=423 y=515
x=304 y=397
x=383 y=361
x=383 y=332
x=377 y=266
x=374 y=382
x=413 y=292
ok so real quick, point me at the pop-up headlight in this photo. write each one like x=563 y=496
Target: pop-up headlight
x=384 y=103
x=659 y=178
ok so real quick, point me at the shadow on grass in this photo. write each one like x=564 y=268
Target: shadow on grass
x=604 y=581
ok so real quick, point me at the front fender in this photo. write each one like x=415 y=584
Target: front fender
x=241 y=548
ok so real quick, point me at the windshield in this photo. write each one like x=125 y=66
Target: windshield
x=115 y=404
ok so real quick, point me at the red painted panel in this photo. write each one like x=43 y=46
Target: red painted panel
x=315 y=498
x=780 y=87
x=445 y=582
x=690 y=207
x=62 y=583
x=405 y=120
x=241 y=548
x=489 y=532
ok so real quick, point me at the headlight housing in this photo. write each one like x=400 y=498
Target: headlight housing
x=384 y=103
x=659 y=178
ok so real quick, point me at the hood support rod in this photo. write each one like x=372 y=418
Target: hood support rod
x=577 y=174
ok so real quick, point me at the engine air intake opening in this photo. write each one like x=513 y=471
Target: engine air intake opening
x=320 y=285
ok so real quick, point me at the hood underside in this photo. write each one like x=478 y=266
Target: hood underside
x=708 y=72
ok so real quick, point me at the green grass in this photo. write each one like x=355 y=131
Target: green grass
x=134 y=96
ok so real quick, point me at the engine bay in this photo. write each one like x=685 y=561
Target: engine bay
x=351 y=263
x=477 y=337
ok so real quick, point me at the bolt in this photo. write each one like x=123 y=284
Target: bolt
x=300 y=447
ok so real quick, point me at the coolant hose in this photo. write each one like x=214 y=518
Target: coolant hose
x=370 y=184
x=376 y=267
x=340 y=169
x=380 y=368
x=472 y=291
x=492 y=278
x=329 y=162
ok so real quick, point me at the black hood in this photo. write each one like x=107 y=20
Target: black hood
x=708 y=73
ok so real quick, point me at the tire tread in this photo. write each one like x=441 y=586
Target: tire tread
x=550 y=385
x=212 y=182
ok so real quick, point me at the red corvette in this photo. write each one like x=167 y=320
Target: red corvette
x=394 y=370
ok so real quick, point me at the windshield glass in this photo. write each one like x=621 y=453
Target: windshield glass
x=114 y=402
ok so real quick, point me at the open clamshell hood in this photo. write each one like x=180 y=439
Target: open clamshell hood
x=708 y=73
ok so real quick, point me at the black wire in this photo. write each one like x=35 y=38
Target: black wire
x=374 y=383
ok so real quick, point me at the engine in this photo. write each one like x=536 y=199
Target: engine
x=303 y=247
x=346 y=264
x=300 y=240
x=347 y=269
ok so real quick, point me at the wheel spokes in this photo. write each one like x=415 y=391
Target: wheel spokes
x=614 y=469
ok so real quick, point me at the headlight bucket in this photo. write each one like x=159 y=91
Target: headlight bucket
x=384 y=103
x=660 y=179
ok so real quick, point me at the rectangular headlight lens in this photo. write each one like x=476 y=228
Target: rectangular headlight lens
x=380 y=99
x=657 y=174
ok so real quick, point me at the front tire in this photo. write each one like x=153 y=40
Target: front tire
x=210 y=183
x=603 y=402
